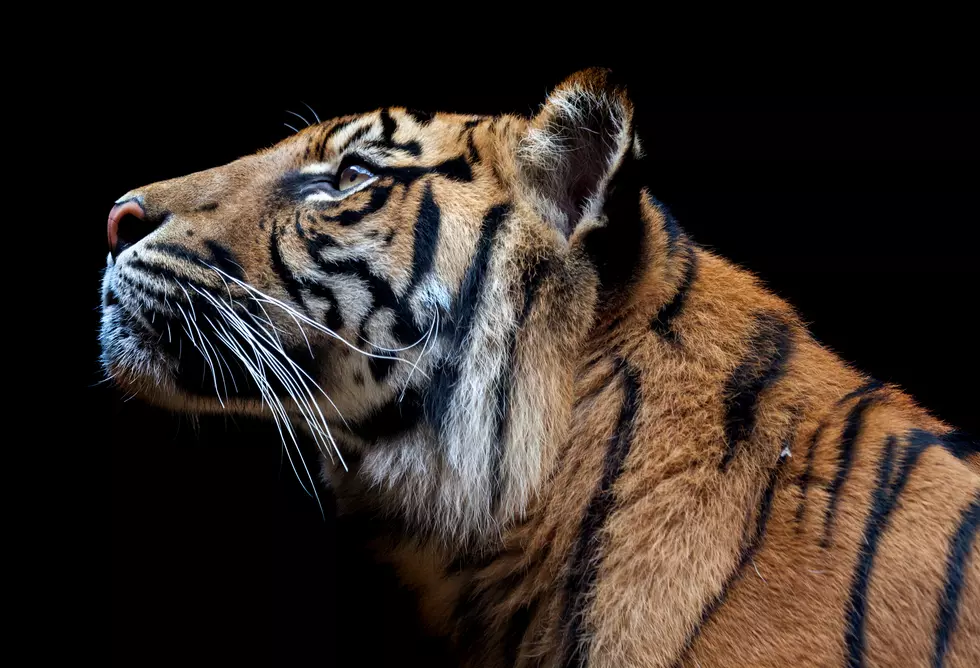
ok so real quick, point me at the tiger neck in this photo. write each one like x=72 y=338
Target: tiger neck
x=475 y=467
x=440 y=571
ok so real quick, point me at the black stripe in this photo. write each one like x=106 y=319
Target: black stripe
x=426 y=235
x=321 y=150
x=533 y=278
x=388 y=125
x=955 y=442
x=111 y=298
x=471 y=150
x=411 y=147
x=502 y=416
x=144 y=290
x=388 y=128
x=763 y=366
x=337 y=127
x=225 y=260
x=807 y=474
x=447 y=372
x=318 y=242
x=356 y=135
x=868 y=387
x=286 y=277
x=584 y=567
x=959 y=552
x=333 y=317
x=456 y=169
x=961 y=444
x=419 y=116
x=516 y=630
x=380 y=368
x=671 y=227
x=532 y=283
x=166 y=274
x=663 y=322
x=390 y=419
x=177 y=251
x=404 y=328
x=845 y=460
x=750 y=547
x=880 y=509
x=379 y=197
x=883 y=504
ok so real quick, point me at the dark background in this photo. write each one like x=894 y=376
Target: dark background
x=855 y=202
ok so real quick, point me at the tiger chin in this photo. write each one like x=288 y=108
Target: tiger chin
x=580 y=438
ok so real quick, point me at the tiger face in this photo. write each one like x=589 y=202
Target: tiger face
x=407 y=288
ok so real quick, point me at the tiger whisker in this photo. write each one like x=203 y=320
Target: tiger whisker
x=300 y=316
x=432 y=328
x=293 y=382
x=207 y=357
x=299 y=117
x=179 y=308
x=315 y=115
x=279 y=414
x=240 y=324
x=394 y=350
x=219 y=358
x=294 y=385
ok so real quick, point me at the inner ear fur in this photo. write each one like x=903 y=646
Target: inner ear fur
x=574 y=146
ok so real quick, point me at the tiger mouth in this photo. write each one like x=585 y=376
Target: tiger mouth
x=199 y=345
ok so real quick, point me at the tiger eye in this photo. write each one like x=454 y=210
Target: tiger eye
x=353 y=176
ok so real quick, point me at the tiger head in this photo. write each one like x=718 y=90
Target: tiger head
x=413 y=290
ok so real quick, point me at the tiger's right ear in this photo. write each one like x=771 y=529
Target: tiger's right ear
x=574 y=146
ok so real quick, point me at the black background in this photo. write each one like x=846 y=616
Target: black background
x=854 y=202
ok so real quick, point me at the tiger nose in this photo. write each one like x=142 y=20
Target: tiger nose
x=127 y=225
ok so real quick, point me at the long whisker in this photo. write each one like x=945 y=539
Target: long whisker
x=292 y=382
x=315 y=115
x=207 y=357
x=279 y=415
x=299 y=117
x=393 y=350
x=432 y=329
x=296 y=315
x=218 y=357
x=289 y=383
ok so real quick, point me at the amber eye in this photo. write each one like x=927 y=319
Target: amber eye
x=353 y=176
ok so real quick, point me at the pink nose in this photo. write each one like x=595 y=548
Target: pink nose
x=124 y=227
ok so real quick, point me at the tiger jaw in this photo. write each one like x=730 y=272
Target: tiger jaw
x=199 y=351
x=204 y=349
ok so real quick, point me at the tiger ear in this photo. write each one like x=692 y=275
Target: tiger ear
x=574 y=146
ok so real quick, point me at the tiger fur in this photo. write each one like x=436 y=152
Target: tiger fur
x=579 y=437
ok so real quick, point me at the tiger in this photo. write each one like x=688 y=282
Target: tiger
x=579 y=438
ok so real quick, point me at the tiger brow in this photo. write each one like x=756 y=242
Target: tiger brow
x=355 y=136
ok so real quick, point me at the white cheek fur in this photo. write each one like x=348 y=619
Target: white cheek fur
x=318 y=168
